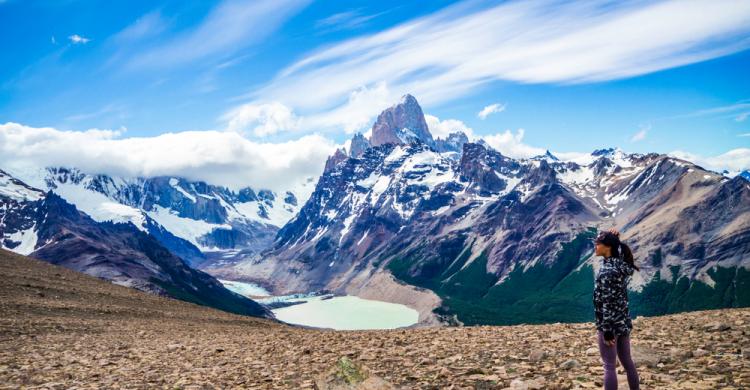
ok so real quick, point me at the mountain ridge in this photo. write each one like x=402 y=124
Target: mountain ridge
x=488 y=215
x=47 y=227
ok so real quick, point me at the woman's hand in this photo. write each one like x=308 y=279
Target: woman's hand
x=615 y=232
x=609 y=343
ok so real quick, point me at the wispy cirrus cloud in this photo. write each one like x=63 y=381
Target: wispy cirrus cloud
x=737 y=110
x=230 y=26
x=146 y=26
x=346 y=20
x=454 y=51
x=491 y=109
x=640 y=134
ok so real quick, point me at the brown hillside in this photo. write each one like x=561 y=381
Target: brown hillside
x=61 y=329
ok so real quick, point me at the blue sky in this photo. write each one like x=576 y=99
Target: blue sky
x=644 y=76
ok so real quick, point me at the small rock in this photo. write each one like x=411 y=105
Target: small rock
x=700 y=352
x=680 y=354
x=570 y=364
x=475 y=370
x=716 y=327
x=537 y=355
x=644 y=356
x=173 y=347
x=349 y=375
x=518 y=384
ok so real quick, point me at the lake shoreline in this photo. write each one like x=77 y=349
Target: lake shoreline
x=327 y=310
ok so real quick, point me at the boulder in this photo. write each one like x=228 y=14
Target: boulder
x=349 y=375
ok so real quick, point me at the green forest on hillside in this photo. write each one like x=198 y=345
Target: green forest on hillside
x=561 y=292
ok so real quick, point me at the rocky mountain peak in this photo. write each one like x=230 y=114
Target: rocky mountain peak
x=338 y=156
x=358 y=146
x=603 y=152
x=543 y=174
x=401 y=123
x=487 y=170
x=546 y=156
x=453 y=143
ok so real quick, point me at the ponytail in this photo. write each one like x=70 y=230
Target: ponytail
x=627 y=255
x=611 y=239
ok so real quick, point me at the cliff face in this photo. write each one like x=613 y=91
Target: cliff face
x=401 y=123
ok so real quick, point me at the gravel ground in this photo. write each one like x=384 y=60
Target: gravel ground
x=60 y=329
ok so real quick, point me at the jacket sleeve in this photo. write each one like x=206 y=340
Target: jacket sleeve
x=609 y=298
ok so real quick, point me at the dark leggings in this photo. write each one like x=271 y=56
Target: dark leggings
x=609 y=354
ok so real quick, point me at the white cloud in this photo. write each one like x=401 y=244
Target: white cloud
x=742 y=116
x=734 y=160
x=362 y=105
x=346 y=20
x=146 y=26
x=731 y=109
x=77 y=39
x=261 y=119
x=640 y=134
x=357 y=113
x=744 y=135
x=441 y=129
x=512 y=145
x=452 y=52
x=230 y=26
x=491 y=109
x=224 y=158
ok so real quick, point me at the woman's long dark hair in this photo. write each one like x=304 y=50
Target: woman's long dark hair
x=613 y=241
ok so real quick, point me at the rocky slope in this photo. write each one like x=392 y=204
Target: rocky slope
x=61 y=329
x=489 y=235
x=200 y=222
x=45 y=226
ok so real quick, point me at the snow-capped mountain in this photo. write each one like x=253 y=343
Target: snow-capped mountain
x=466 y=229
x=46 y=227
x=197 y=221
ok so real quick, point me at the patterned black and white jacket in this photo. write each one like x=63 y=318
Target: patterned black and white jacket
x=611 y=297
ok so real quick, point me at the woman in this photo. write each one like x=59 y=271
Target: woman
x=613 y=322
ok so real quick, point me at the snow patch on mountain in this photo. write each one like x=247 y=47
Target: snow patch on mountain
x=99 y=207
x=12 y=188
x=25 y=241
x=176 y=185
x=185 y=228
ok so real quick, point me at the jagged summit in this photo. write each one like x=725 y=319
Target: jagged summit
x=358 y=145
x=453 y=143
x=338 y=156
x=546 y=156
x=604 y=151
x=401 y=123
